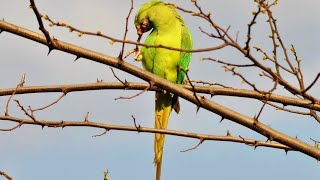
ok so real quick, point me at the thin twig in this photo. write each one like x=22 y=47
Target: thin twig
x=312 y=84
x=114 y=74
x=193 y=89
x=126 y=31
x=41 y=26
x=262 y=107
x=19 y=85
x=228 y=64
x=205 y=83
x=131 y=97
x=47 y=106
x=195 y=147
x=287 y=110
x=25 y=111
x=13 y=128
x=115 y=40
x=249 y=36
x=104 y=132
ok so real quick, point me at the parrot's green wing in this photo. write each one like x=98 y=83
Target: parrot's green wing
x=183 y=64
x=186 y=43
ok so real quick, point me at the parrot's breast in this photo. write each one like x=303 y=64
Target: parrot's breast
x=160 y=61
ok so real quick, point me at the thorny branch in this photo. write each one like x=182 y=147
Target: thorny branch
x=225 y=91
x=138 y=128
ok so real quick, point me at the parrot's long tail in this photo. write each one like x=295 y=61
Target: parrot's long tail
x=162 y=113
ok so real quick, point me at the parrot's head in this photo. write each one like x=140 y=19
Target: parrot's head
x=144 y=26
x=142 y=19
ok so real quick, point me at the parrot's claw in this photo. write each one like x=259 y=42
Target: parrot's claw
x=138 y=55
x=129 y=53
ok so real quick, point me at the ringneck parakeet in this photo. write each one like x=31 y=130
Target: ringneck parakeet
x=168 y=29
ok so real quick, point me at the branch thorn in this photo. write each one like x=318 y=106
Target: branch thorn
x=50 y=50
x=86 y=117
x=228 y=133
x=138 y=127
x=222 y=118
x=78 y=57
x=198 y=108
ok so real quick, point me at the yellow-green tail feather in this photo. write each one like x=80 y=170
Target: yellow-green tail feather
x=162 y=113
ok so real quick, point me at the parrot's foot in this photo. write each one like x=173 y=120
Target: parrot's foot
x=137 y=57
x=129 y=53
x=182 y=69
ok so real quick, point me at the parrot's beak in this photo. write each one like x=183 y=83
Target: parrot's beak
x=143 y=27
x=139 y=30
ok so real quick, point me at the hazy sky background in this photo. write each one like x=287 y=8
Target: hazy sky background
x=32 y=153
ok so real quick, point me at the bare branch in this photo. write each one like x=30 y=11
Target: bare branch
x=138 y=128
x=225 y=91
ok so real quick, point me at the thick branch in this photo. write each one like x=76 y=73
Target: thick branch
x=164 y=84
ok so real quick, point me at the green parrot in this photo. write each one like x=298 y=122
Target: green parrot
x=168 y=29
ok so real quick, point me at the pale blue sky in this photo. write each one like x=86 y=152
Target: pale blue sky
x=32 y=153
